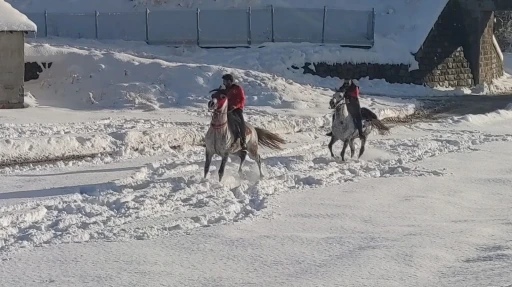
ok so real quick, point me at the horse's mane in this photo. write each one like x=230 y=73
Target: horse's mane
x=221 y=90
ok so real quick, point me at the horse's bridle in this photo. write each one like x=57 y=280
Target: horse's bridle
x=340 y=102
x=217 y=111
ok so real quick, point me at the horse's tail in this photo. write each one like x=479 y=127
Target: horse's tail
x=380 y=126
x=268 y=139
x=367 y=114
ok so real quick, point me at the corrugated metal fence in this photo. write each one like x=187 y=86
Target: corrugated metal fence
x=211 y=28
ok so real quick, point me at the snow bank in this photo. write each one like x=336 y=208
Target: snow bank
x=116 y=77
x=171 y=196
x=483 y=120
x=122 y=75
x=385 y=51
x=117 y=144
x=12 y=20
x=90 y=79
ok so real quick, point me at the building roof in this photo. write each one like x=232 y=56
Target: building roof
x=13 y=20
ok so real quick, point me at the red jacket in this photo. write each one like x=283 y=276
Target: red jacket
x=236 y=97
x=352 y=91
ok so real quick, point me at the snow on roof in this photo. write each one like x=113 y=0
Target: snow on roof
x=13 y=20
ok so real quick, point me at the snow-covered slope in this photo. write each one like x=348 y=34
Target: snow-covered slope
x=92 y=74
x=407 y=22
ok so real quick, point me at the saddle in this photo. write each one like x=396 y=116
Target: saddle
x=366 y=115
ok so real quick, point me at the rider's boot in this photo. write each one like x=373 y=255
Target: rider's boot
x=243 y=144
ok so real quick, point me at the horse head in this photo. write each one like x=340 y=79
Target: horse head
x=337 y=97
x=219 y=99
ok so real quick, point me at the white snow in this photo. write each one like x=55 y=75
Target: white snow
x=13 y=20
x=113 y=135
x=451 y=230
x=497 y=47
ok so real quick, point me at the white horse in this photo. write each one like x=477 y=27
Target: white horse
x=220 y=136
x=344 y=128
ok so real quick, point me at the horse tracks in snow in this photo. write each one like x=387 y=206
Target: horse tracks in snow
x=171 y=195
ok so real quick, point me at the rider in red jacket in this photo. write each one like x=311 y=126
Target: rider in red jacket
x=236 y=102
x=354 y=108
x=351 y=95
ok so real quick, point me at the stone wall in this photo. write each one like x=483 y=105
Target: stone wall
x=12 y=55
x=491 y=66
x=486 y=64
x=458 y=52
x=442 y=58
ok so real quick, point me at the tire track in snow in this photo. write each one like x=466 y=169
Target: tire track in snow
x=171 y=195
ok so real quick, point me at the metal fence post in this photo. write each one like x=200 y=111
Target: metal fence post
x=373 y=26
x=272 y=21
x=96 y=14
x=323 y=25
x=147 y=25
x=198 y=27
x=46 y=23
x=249 y=32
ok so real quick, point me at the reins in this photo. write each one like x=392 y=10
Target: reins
x=221 y=125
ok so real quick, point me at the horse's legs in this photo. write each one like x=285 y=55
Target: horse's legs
x=242 y=156
x=331 y=143
x=209 y=156
x=361 y=150
x=345 y=144
x=352 y=147
x=253 y=154
x=223 y=165
x=258 y=161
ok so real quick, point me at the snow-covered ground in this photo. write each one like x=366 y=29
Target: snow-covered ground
x=424 y=206
x=450 y=230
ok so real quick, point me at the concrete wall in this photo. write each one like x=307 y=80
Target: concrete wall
x=12 y=63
